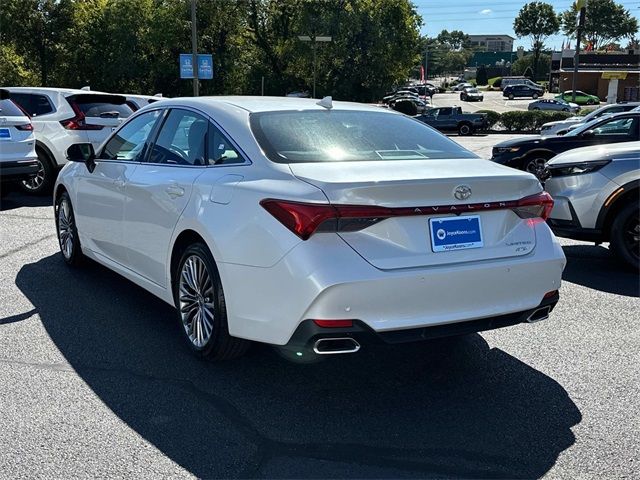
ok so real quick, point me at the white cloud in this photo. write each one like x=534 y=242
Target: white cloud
x=486 y=11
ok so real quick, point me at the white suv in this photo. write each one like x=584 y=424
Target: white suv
x=62 y=117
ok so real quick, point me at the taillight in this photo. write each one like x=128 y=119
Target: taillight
x=26 y=126
x=305 y=219
x=538 y=205
x=79 y=121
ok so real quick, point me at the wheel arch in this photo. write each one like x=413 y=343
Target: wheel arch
x=615 y=202
x=47 y=151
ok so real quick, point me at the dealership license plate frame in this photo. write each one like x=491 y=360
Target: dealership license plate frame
x=5 y=134
x=453 y=240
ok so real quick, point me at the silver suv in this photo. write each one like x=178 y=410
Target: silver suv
x=597 y=197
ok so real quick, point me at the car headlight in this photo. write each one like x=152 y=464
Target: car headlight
x=578 y=168
x=500 y=150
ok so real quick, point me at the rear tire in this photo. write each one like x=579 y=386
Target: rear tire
x=199 y=300
x=42 y=182
x=511 y=96
x=465 y=129
x=534 y=96
x=591 y=102
x=625 y=236
x=67 y=231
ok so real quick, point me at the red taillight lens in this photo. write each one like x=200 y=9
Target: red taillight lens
x=550 y=294
x=26 y=126
x=538 y=205
x=334 y=323
x=79 y=122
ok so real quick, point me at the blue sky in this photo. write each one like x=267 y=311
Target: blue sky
x=489 y=17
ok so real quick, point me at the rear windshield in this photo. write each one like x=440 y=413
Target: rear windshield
x=344 y=135
x=98 y=109
x=9 y=109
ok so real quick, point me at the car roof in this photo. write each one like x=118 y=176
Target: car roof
x=63 y=91
x=600 y=152
x=255 y=104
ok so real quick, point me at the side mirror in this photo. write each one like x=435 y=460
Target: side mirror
x=84 y=153
x=589 y=134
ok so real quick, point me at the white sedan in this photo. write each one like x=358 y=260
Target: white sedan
x=321 y=226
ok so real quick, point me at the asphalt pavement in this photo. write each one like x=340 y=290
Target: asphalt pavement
x=493 y=100
x=97 y=382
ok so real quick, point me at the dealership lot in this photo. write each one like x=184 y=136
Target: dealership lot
x=492 y=101
x=96 y=383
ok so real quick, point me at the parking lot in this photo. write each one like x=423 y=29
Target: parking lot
x=492 y=101
x=96 y=382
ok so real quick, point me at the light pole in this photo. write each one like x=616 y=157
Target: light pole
x=314 y=39
x=582 y=5
x=194 y=49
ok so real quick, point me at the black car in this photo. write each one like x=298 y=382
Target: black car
x=515 y=91
x=532 y=153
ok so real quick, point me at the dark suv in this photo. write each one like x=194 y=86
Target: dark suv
x=513 y=91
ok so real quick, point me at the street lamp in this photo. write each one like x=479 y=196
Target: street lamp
x=314 y=40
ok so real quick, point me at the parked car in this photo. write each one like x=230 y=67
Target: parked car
x=254 y=232
x=581 y=98
x=597 y=197
x=553 y=105
x=18 y=159
x=518 y=91
x=460 y=87
x=62 y=117
x=421 y=106
x=508 y=81
x=136 y=102
x=451 y=119
x=562 y=127
x=471 y=95
x=532 y=153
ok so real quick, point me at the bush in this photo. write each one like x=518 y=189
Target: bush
x=530 y=120
x=492 y=117
x=481 y=76
x=585 y=111
x=495 y=82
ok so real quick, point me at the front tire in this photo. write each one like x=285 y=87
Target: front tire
x=625 y=235
x=591 y=102
x=42 y=182
x=201 y=306
x=67 y=231
x=511 y=96
x=535 y=165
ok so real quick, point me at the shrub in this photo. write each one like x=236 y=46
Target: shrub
x=481 y=76
x=495 y=82
x=530 y=120
x=492 y=117
x=586 y=111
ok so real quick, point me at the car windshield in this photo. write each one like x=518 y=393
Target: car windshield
x=9 y=109
x=345 y=135
x=608 y=125
x=472 y=90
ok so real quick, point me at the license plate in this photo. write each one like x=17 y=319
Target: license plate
x=455 y=233
x=5 y=134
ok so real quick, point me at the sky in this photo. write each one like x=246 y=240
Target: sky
x=490 y=17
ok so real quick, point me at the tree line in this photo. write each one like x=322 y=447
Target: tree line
x=133 y=46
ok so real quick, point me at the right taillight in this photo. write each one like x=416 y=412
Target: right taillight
x=79 y=121
x=26 y=127
x=538 y=205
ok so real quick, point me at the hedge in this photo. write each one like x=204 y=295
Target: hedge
x=530 y=120
x=492 y=117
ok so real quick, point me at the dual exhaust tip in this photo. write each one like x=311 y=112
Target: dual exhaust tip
x=333 y=346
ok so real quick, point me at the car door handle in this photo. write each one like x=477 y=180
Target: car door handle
x=175 y=191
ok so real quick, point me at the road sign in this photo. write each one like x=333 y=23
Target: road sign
x=205 y=66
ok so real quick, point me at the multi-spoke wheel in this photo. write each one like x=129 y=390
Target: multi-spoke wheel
x=67 y=230
x=199 y=299
x=625 y=235
x=536 y=165
x=41 y=183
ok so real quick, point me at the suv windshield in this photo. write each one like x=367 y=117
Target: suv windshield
x=345 y=135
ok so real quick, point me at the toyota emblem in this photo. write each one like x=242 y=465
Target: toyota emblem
x=462 y=192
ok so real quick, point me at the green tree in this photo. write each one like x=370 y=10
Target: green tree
x=13 y=70
x=521 y=65
x=454 y=40
x=606 y=21
x=538 y=21
x=481 y=76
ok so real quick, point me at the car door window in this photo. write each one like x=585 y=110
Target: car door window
x=444 y=112
x=182 y=139
x=619 y=127
x=130 y=142
x=219 y=150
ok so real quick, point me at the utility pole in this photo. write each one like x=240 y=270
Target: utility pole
x=194 y=49
x=582 y=5
x=314 y=40
x=426 y=63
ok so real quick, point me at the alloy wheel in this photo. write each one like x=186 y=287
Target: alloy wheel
x=536 y=166
x=196 y=300
x=65 y=228
x=631 y=234
x=34 y=183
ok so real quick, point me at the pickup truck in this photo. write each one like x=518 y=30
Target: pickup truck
x=451 y=119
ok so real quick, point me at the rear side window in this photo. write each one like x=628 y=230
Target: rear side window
x=34 y=104
x=346 y=135
x=9 y=109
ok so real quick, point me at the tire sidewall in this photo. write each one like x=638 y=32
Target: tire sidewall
x=465 y=129
x=76 y=254
x=49 y=176
x=617 y=243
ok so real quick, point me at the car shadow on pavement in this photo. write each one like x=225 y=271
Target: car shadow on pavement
x=595 y=267
x=17 y=199
x=449 y=408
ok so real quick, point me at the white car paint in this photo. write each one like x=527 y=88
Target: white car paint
x=563 y=126
x=17 y=141
x=130 y=214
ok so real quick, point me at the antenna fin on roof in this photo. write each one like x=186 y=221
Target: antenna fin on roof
x=326 y=102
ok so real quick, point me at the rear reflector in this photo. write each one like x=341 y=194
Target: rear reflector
x=305 y=219
x=550 y=294
x=334 y=323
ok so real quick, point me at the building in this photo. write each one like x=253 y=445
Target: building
x=492 y=43
x=611 y=76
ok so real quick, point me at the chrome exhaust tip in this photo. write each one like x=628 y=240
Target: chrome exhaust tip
x=539 y=314
x=333 y=346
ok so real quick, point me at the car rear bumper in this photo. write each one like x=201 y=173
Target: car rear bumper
x=11 y=171
x=323 y=278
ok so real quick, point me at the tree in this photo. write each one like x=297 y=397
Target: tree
x=538 y=21
x=521 y=65
x=454 y=40
x=13 y=70
x=605 y=22
x=481 y=76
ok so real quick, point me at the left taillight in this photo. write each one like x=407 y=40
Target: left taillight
x=535 y=206
x=26 y=127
